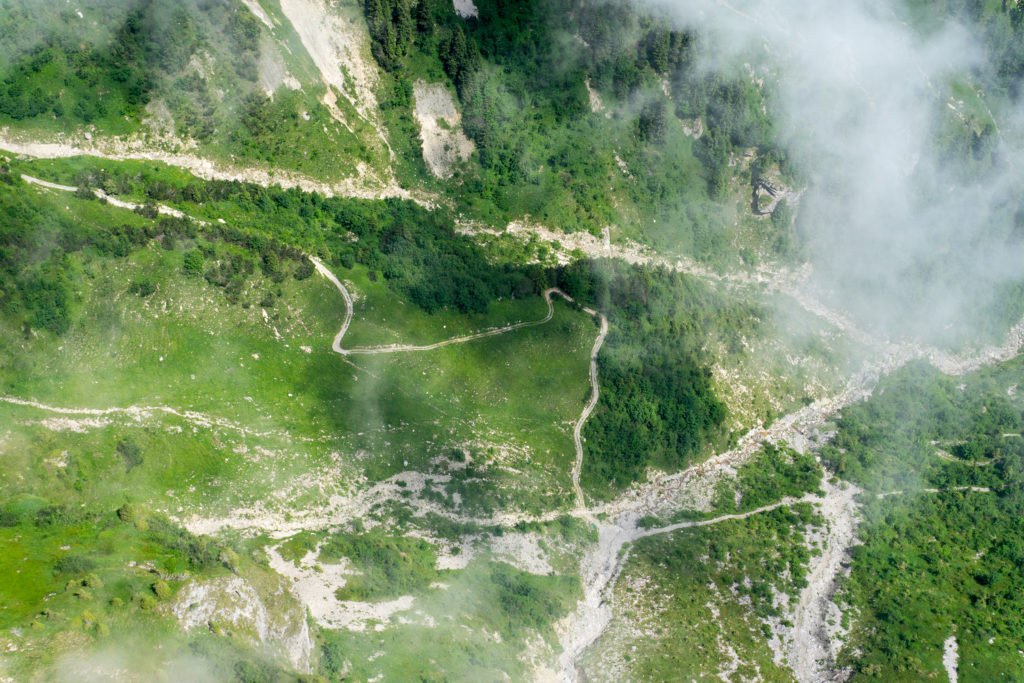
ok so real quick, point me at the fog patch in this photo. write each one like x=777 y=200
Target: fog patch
x=912 y=215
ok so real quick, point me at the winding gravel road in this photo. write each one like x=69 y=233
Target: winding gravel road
x=595 y=391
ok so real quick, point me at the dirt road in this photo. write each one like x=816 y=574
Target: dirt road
x=595 y=390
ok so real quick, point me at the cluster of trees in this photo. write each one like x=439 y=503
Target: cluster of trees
x=657 y=405
x=36 y=279
x=889 y=443
x=934 y=566
x=1001 y=27
x=418 y=252
x=777 y=472
x=740 y=566
x=36 y=235
x=461 y=59
x=522 y=86
x=126 y=69
x=81 y=77
x=20 y=102
x=391 y=30
x=233 y=268
x=274 y=130
x=931 y=565
x=528 y=602
x=485 y=598
x=183 y=550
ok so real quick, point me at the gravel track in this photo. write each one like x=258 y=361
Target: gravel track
x=595 y=391
x=601 y=566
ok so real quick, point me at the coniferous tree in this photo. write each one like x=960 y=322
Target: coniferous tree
x=424 y=17
x=403 y=24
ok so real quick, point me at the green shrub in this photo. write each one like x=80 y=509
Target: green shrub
x=161 y=589
x=74 y=564
x=193 y=262
x=130 y=451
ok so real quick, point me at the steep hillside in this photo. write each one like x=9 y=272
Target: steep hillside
x=539 y=340
x=229 y=82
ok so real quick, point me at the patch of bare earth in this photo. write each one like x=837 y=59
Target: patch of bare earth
x=340 y=48
x=522 y=551
x=315 y=584
x=596 y=103
x=255 y=8
x=809 y=647
x=950 y=658
x=273 y=618
x=444 y=143
x=272 y=70
x=465 y=8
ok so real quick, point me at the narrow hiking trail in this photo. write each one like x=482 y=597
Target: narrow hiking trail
x=581 y=507
x=144 y=413
x=404 y=348
x=617 y=525
x=113 y=201
x=595 y=391
x=784 y=502
x=577 y=431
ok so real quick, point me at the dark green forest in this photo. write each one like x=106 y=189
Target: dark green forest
x=936 y=563
x=657 y=404
x=521 y=83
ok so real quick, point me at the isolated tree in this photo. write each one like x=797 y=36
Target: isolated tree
x=424 y=17
x=130 y=451
x=461 y=59
x=193 y=262
x=162 y=590
x=375 y=17
x=229 y=558
x=382 y=33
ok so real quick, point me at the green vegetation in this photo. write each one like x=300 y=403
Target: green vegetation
x=415 y=250
x=657 y=405
x=932 y=565
x=486 y=597
x=388 y=566
x=687 y=597
x=195 y=323
x=895 y=441
x=86 y=580
x=176 y=71
x=522 y=82
x=162 y=373
x=776 y=473
x=109 y=347
x=173 y=300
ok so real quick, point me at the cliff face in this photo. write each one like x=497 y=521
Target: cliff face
x=258 y=609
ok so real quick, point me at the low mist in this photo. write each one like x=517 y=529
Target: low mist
x=910 y=149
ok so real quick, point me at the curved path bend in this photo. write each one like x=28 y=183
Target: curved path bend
x=595 y=391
